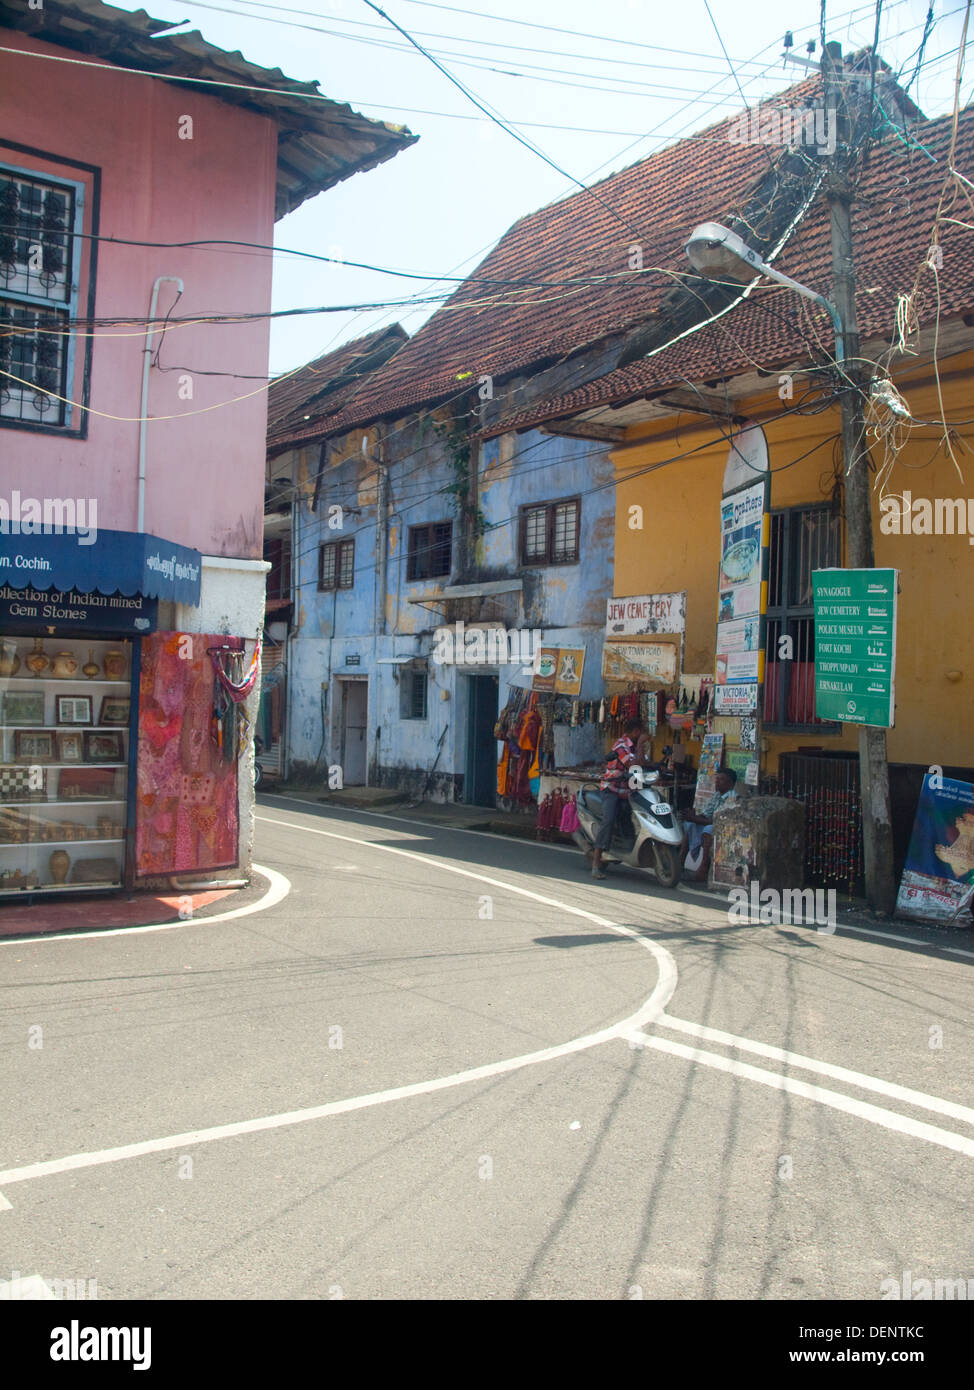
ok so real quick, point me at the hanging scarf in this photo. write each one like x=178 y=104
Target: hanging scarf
x=237 y=690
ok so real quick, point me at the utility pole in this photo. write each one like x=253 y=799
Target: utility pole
x=840 y=91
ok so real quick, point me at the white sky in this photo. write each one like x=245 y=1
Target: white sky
x=437 y=207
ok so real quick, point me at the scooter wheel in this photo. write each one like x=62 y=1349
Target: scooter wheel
x=666 y=865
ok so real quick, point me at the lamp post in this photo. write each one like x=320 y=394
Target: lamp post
x=718 y=253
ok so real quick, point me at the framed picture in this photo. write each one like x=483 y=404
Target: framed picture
x=34 y=745
x=23 y=707
x=103 y=748
x=115 y=709
x=73 y=709
x=86 y=784
x=70 y=748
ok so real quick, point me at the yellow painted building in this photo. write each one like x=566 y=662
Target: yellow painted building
x=677 y=546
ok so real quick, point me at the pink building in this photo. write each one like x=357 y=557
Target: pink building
x=132 y=428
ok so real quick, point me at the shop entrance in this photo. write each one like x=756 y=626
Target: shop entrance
x=355 y=710
x=480 y=770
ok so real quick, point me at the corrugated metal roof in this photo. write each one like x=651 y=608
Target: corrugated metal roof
x=320 y=142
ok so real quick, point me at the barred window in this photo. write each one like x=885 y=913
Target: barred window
x=430 y=553
x=38 y=292
x=803 y=539
x=550 y=532
x=412 y=694
x=336 y=565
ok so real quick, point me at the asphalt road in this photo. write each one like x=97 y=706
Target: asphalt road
x=499 y=1105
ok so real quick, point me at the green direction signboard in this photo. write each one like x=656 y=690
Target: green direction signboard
x=855 y=645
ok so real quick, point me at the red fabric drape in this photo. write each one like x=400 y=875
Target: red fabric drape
x=186 y=800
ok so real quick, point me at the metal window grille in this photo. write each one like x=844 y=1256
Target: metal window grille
x=828 y=785
x=38 y=220
x=336 y=565
x=549 y=533
x=536 y=534
x=430 y=553
x=802 y=540
x=564 y=544
x=413 y=695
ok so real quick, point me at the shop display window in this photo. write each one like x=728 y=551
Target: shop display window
x=64 y=751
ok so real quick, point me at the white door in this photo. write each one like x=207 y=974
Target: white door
x=355 y=708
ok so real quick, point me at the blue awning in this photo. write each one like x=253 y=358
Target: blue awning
x=97 y=561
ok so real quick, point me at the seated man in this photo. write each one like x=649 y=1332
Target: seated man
x=700 y=826
x=629 y=751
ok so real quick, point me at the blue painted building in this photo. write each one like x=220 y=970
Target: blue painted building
x=392 y=545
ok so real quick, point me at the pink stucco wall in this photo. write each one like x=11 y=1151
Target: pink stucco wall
x=205 y=466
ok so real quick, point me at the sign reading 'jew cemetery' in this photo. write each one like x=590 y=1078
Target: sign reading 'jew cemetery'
x=855 y=645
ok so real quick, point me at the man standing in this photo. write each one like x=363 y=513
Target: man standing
x=627 y=752
x=701 y=823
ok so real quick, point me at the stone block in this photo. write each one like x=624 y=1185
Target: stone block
x=760 y=838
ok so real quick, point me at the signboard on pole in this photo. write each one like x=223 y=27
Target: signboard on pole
x=855 y=645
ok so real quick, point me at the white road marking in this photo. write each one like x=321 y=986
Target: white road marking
x=717 y=901
x=795 y=1059
x=647 y=1013
x=279 y=889
x=4 y=1204
x=875 y=1114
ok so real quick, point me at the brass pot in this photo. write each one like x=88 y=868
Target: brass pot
x=91 y=668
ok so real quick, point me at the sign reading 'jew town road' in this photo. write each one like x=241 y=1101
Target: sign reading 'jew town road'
x=855 y=645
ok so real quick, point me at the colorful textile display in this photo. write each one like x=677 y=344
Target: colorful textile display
x=186 y=794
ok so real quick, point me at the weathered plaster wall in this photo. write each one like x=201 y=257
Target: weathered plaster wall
x=205 y=455
x=566 y=603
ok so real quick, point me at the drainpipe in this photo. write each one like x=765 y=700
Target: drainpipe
x=143 y=413
x=381 y=534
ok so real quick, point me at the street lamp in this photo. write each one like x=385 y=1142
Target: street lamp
x=720 y=254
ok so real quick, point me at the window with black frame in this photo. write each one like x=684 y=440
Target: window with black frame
x=549 y=533
x=429 y=553
x=803 y=539
x=413 y=694
x=38 y=296
x=336 y=565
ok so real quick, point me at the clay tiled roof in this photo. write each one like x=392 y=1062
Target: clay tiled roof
x=493 y=325
x=300 y=404
x=320 y=142
x=896 y=202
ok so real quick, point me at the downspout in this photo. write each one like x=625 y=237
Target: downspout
x=381 y=534
x=292 y=627
x=143 y=412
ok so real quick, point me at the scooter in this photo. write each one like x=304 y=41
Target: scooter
x=651 y=840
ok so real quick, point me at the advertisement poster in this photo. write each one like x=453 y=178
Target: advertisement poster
x=571 y=664
x=741 y=518
x=546 y=669
x=938 y=877
x=710 y=760
x=645 y=613
x=736 y=699
x=559 y=669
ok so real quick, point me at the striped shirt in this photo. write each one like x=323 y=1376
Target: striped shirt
x=616 y=778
